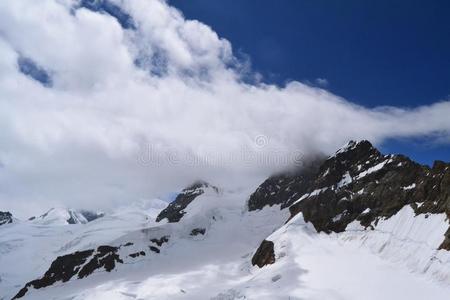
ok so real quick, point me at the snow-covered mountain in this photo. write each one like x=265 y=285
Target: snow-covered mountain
x=65 y=216
x=5 y=217
x=356 y=225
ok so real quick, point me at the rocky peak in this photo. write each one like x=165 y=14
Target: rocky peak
x=284 y=188
x=355 y=153
x=5 y=217
x=175 y=210
x=359 y=183
x=198 y=186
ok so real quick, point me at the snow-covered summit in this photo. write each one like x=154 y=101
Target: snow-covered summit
x=352 y=144
x=66 y=216
x=175 y=210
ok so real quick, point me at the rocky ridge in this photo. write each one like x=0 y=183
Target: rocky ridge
x=81 y=264
x=360 y=184
x=175 y=210
x=5 y=217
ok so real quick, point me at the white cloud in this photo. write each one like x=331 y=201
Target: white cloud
x=322 y=82
x=85 y=142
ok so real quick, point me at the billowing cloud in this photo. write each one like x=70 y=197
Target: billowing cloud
x=105 y=102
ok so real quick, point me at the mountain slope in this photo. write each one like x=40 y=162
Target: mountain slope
x=357 y=225
x=394 y=206
x=213 y=240
x=27 y=248
x=64 y=216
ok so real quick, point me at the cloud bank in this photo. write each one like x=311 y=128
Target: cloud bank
x=106 y=102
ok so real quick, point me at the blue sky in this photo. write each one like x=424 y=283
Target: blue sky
x=373 y=53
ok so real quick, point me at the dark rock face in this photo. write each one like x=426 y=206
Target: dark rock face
x=5 y=217
x=154 y=249
x=137 y=254
x=175 y=210
x=81 y=264
x=62 y=269
x=197 y=231
x=72 y=220
x=359 y=183
x=446 y=243
x=160 y=241
x=264 y=255
x=88 y=215
x=284 y=188
x=106 y=257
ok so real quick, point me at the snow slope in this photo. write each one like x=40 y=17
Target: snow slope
x=407 y=239
x=189 y=266
x=217 y=265
x=335 y=267
x=27 y=248
x=397 y=260
x=65 y=216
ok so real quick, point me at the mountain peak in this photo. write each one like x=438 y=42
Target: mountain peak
x=5 y=217
x=198 y=184
x=352 y=145
x=65 y=216
x=175 y=210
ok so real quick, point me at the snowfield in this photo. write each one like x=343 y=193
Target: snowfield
x=351 y=266
x=27 y=248
x=397 y=260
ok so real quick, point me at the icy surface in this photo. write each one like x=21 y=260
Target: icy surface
x=397 y=260
x=409 y=240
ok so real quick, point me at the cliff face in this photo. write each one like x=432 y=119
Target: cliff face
x=5 y=217
x=360 y=184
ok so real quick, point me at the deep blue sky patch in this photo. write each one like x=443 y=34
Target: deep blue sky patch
x=31 y=69
x=373 y=53
x=110 y=8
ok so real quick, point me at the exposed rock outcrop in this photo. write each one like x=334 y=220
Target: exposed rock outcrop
x=5 y=217
x=264 y=255
x=83 y=216
x=106 y=257
x=160 y=241
x=81 y=264
x=175 y=210
x=446 y=243
x=284 y=188
x=359 y=183
x=197 y=231
x=62 y=269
